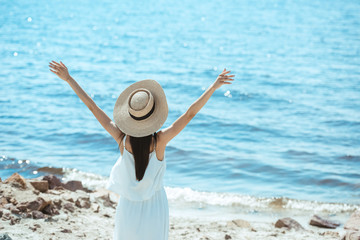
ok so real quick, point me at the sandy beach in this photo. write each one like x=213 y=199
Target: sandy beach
x=46 y=208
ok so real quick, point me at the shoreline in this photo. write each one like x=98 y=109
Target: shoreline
x=51 y=209
x=93 y=179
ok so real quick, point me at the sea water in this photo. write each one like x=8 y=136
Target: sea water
x=288 y=127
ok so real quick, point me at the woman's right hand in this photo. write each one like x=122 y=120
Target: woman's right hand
x=223 y=79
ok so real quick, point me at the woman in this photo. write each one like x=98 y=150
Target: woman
x=137 y=176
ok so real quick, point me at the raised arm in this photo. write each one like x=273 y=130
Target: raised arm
x=62 y=72
x=170 y=132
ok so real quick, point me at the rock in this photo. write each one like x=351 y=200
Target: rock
x=105 y=197
x=69 y=207
x=37 y=215
x=51 y=170
x=57 y=203
x=1 y=213
x=6 y=215
x=50 y=219
x=16 y=180
x=323 y=223
x=108 y=203
x=288 y=223
x=22 y=206
x=352 y=235
x=15 y=210
x=5 y=236
x=36 y=192
x=54 y=192
x=83 y=202
x=277 y=203
x=12 y=200
x=101 y=193
x=95 y=207
x=3 y=201
x=332 y=234
x=38 y=205
x=242 y=223
x=26 y=215
x=354 y=222
x=14 y=220
x=53 y=181
x=33 y=228
x=73 y=185
x=66 y=231
x=41 y=186
x=33 y=205
x=59 y=188
x=49 y=209
x=227 y=236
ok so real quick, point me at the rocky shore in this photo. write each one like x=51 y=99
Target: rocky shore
x=47 y=208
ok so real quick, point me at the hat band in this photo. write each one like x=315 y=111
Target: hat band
x=145 y=116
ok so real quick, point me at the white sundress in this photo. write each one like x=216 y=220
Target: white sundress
x=142 y=212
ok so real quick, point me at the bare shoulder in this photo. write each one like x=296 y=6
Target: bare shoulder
x=160 y=141
x=120 y=141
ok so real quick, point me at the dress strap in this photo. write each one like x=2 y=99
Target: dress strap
x=124 y=140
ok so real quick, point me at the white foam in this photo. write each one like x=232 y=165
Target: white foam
x=235 y=200
x=89 y=180
x=188 y=197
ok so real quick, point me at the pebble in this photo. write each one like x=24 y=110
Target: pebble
x=288 y=223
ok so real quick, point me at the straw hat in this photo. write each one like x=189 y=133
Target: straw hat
x=141 y=109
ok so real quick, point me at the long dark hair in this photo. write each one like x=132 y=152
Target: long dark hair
x=141 y=149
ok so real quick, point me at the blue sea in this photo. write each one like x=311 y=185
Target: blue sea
x=287 y=128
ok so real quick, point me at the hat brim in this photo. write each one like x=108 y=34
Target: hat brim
x=141 y=128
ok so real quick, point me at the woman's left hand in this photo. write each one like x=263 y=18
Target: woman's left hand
x=60 y=70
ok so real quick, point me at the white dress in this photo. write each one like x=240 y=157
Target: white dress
x=142 y=212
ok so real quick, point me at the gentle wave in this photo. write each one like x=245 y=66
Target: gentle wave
x=255 y=203
x=251 y=203
x=343 y=123
x=350 y=158
x=183 y=196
